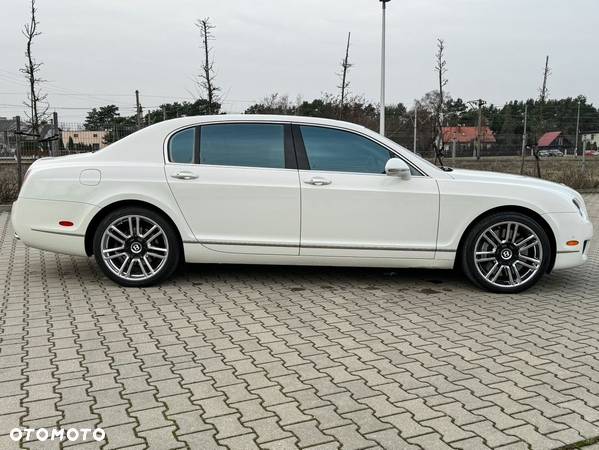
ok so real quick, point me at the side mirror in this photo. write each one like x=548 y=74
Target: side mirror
x=396 y=167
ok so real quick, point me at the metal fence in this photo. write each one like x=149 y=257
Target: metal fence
x=65 y=138
x=18 y=139
x=20 y=146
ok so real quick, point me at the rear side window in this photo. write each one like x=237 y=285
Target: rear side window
x=341 y=151
x=248 y=145
x=181 y=146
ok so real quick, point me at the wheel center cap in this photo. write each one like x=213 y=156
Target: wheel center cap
x=136 y=248
x=506 y=254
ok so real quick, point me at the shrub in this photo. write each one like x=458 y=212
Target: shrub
x=9 y=188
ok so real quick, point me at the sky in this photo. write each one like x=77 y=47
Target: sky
x=98 y=52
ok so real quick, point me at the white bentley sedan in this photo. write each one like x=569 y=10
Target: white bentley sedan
x=293 y=190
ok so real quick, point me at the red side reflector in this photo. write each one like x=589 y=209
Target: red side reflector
x=65 y=223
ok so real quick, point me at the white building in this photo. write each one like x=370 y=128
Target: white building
x=84 y=140
x=590 y=141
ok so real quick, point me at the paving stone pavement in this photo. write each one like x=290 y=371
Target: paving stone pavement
x=246 y=357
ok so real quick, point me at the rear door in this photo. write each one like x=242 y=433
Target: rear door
x=237 y=186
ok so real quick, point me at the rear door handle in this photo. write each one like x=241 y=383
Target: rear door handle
x=318 y=181
x=185 y=176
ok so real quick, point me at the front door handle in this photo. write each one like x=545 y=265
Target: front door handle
x=185 y=176
x=318 y=181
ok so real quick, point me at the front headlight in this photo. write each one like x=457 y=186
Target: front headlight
x=580 y=207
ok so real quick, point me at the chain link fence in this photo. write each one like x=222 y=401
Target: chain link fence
x=50 y=140
x=68 y=138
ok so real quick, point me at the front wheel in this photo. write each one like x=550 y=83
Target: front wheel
x=136 y=247
x=506 y=253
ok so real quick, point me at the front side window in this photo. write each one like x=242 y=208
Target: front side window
x=342 y=151
x=248 y=145
x=181 y=146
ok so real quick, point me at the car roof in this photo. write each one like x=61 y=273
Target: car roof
x=148 y=144
x=199 y=120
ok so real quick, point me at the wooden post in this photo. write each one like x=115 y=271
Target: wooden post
x=18 y=151
x=138 y=108
x=415 y=148
x=453 y=150
x=524 y=139
x=56 y=141
x=479 y=129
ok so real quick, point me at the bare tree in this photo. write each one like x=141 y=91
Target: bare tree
x=441 y=70
x=345 y=65
x=36 y=101
x=543 y=94
x=207 y=76
x=544 y=90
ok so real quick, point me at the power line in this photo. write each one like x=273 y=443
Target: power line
x=168 y=97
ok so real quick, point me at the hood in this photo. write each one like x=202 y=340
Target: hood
x=516 y=180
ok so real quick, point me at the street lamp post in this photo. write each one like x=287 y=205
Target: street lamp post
x=382 y=106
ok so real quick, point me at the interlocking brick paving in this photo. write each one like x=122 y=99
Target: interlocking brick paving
x=285 y=357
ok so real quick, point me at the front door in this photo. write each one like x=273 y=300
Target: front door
x=351 y=208
x=237 y=186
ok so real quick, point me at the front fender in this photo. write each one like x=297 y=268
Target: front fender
x=462 y=202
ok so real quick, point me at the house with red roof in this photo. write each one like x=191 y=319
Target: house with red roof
x=554 y=139
x=464 y=138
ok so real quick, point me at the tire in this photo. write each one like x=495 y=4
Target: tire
x=507 y=252
x=136 y=247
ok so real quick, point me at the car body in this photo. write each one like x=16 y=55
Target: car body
x=291 y=190
x=591 y=153
x=550 y=152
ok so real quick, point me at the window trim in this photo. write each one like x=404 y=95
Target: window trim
x=299 y=159
x=168 y=159
x=196 y=145
x=302 y=155
x=290 y=157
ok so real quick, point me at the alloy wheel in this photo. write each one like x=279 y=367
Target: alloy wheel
x=134 y=247
x=508 y=254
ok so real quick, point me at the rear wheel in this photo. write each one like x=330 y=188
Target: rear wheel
x=136 y=247
x=506 y=252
